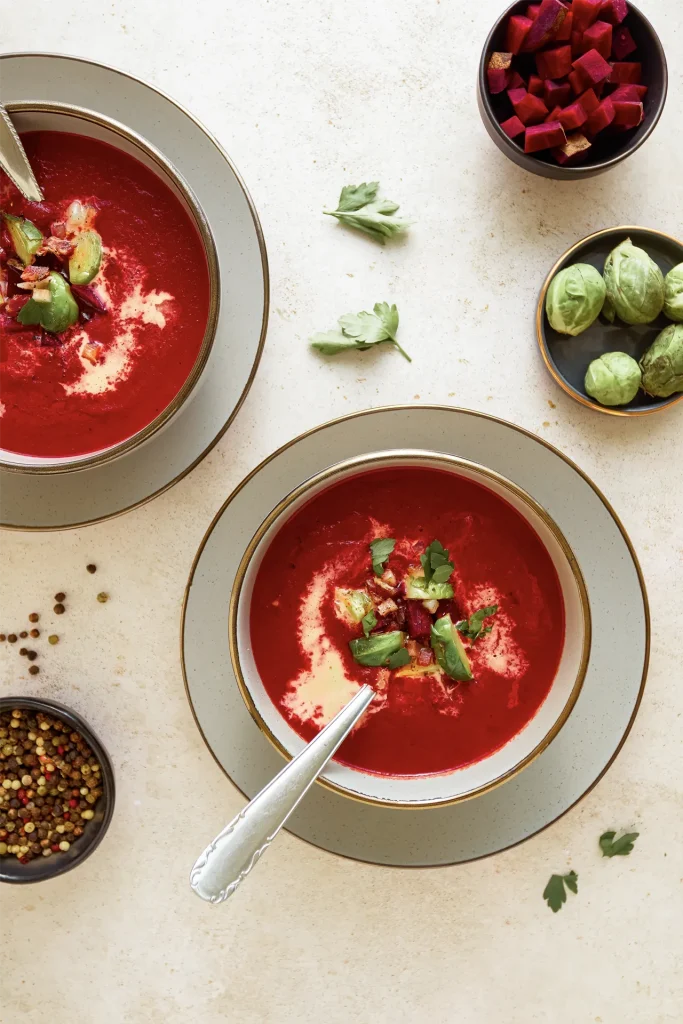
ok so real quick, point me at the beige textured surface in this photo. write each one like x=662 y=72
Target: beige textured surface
x=307 y=96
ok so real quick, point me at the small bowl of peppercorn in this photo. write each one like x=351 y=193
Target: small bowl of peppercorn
x=56 y=789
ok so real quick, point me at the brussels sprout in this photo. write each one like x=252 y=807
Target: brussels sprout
x=662 y=364
x=635 y=284
x=417 y=589
x=608 y=310
x=575 y=298
x=57 y=314
x=613 y=379
x=673 y=294
x=86 y=258
x=377 y=649
x=26 y=237
x=449 y=650
x=352 y=605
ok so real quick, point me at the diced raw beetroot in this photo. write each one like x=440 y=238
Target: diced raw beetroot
x=599 y=88
x=512 y=127
x=574 y=150
x=425 y=656
x=636 y=93
x=516 y=81
x=585 y=13
x=554 y=63
x=573 y=117
x=544 y=136
x=532 y=11
x=577 y=44
x=564 y=33
x=589 y=101
x=498 y=80
x=88 y=297
x=623 y=42
x=500 y=59
x=548 y=21
x=530 y=109
x=626 y=72
x=516 y=95
x=592 y=68
x=614 y=11
x=576 y=82
x=556 y=93
x=535 y=86
x=627 y=113
x=553 y=115
x=601 y=118
x=598 y=37
x=517 y=30
x=418 y=619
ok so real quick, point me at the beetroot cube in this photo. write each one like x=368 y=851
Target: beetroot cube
x=636 y=93
x=554 y=63
x=418 y=619
x=516 y=81
x=614 y=11
x=576 y=82
x=544 y=136
x=516 y=95
x=601 y=118
x=626 y=72
x=626 y=113
x=535 y=86
x=498 y=72
x=623 y=42
x=589 y=101
x=585 y=13
x=573 y=117
x=599 y=88
x=564 y=33
x=517 y=30
x=556 y=93
x=577 y=42
x=574 y=150
x=531 y=109
x=548 y=21
x=512 y=127
x=598 y=37
x=592 y=68
x=532 y=11
x=553 y=115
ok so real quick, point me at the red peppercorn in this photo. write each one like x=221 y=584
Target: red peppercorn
x=24 y=800
x=60 y=750
x=67 y=816
x=73 y=803
x=55 y=847
x=25 y=859
x=21 y=793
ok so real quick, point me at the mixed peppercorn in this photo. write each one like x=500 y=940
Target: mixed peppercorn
x=50 y=782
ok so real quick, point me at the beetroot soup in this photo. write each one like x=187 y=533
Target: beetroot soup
x=429 y=587
x=104 y=299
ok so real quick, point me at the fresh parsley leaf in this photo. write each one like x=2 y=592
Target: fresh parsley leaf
x=399 y=658
x=554 y=893
x=368 y=622
x=380 y=550
x=360 y=208
x=621 y=848
x=435 y=563
x=474 y=627
x=361 y=331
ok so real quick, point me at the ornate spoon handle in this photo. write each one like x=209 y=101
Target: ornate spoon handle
x=232 y=854
x=14 y=161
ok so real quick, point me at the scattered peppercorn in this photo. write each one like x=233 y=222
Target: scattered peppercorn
x=59 y=609
x=102 y=597
x=35 y=633
x=91 y=567
x=23 y=634
x=34 y=670
x=61 y=596
x=53 y=639
x=33 y=617
x=31 y=655
x=23 y=651
x=3 y=637
x=12 y=638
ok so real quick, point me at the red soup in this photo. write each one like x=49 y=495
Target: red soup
x=456 y=619
x=117 y=280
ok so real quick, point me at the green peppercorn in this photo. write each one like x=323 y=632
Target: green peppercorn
x=53 y=639
x=102 y=597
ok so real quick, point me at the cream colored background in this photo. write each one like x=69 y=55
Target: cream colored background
x=307 y=96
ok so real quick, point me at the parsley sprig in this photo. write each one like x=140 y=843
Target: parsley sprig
x=361 y=331
x=474 y=626
x=554 y=893
x=380 y=549
x=619 y=848
x=435 y=564
x=368 y=622
x=359 y=208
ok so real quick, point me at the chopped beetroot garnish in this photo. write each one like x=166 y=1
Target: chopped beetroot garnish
x=517 y=30
x=554 y=63
x=425 y=656
x=574 y=150
x=58 y=229
x=592 y=68
x=418 y=620
x=585 y=12
x=535 y=85
x=553 y=115
x=598 y=37
x=548 y=21
x=614 y=11
x=515 y=95
x=498 y=80
x=626 y=72
x=577 y=44
x=531 y=109
x=589 y=101
x=60 y=247
x=573 y=117
x=88 y=297
x=564 y=33
x=544 y=136
x=33 y=272
x=601 y=118
x=532 y=11
x=556 y=94
x=516 y=81
x=636 y=93
x=623 y=43
x=599 y=88
x=512 y=127
x=627 y=114
x=576 y=82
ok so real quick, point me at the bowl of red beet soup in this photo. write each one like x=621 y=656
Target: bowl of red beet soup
x=108 y=293
x=444 y=586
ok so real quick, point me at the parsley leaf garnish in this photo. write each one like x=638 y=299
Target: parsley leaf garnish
x=360 y=208
x=361 y=331
x=474 y=626
x=435 y=563
x=621 y=848
x=554 y=893
x=368 y=622
x=380 y=550
x=399 y=658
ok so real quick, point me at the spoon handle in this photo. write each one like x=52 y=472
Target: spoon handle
x=230 y=857
x=14 y=161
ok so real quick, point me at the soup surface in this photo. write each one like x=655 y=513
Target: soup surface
x=317 y=578
x=140 y=320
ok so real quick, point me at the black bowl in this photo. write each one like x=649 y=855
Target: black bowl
x=93 y=833
x=608 y=150
x=567 y=358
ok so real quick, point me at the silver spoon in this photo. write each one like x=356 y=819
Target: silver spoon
x=14 y=161
x=230 y=857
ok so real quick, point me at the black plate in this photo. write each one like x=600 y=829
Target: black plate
x=567 y=358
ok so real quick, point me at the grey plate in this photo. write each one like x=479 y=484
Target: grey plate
x=561 y=775
x=55 y=502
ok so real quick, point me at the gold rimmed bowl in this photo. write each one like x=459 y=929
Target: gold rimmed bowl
x=471 y=780
x=61 y=117
x=567 y=358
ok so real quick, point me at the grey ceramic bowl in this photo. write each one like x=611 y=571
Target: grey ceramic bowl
x=49 y=867
x=609 y=150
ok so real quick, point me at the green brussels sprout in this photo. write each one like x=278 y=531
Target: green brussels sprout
x=613 y=379
x=377 y=649
x=574 y=299
x=417 y=589
x=673 y=294
x=86 y=258
x=608 y=310
x=56 y=315
x=448 y=648
x=662 y=364
x=635 y=284
x=25 y=236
